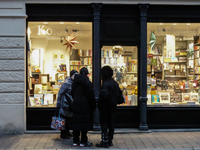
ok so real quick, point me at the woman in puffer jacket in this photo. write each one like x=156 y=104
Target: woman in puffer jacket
x=65 y=113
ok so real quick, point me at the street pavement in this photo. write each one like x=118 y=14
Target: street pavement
x=123 y=139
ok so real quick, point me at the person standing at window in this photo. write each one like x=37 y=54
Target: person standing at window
x=83 y=108
x=108 y=99
x=65 y=90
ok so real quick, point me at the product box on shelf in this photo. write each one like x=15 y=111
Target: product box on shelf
x=175 y=97
x=186 y=97
x=164 y=97
x=194 y=97
x=155 y=98
x=167 y=59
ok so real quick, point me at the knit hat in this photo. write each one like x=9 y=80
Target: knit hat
x=73 y=72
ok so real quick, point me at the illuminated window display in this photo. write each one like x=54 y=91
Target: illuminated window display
x=123 y=61
x=173 y=64
x=55 y=48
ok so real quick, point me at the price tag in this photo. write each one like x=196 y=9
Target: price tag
x=194 y=84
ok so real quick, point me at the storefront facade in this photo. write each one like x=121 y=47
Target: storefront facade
x=35 y=60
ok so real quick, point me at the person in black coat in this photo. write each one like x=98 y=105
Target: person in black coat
x=107 y=104
x=83 y=108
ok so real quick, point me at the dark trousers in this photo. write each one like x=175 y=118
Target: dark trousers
x=67 y=125
x=76 y=135
x=107 y=122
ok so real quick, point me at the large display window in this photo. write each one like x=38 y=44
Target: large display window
x=123 y=60
x=54 y=49
x=173 y=64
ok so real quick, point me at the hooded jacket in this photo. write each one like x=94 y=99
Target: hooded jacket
x=109 y=95
x=83 y=104
x=65 y=89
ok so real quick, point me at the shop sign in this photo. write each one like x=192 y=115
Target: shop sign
x=162 y=31
x=43 y=30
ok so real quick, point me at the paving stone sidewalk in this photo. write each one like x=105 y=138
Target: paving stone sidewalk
x=128 y=141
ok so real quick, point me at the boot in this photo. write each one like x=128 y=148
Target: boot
x=110 y=137
x=104 y=142
x=110 y=142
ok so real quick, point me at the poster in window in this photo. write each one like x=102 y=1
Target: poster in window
x=35 y=57
x=55 y=65
x=62 y=56
x=55 y=56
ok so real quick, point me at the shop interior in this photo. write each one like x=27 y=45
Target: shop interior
x=173 y=62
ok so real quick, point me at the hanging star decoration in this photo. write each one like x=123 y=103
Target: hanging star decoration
x=152 y=40
x=70 y=41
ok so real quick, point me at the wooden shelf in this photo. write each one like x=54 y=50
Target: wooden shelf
x=157 y=54
x=171 y=76
x=197 y=44
x=181 y=56
x=131 y=72
x=172 y=69
x=80 y=65
x=176 y=62
x=85 y=56
x=36 y=73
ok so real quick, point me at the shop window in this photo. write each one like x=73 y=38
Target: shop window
x=54 y=49
x=123 y=60
x=173 y=64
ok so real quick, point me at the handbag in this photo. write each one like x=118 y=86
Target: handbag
x=57 y=123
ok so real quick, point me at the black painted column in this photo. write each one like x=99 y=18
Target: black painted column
x=96 y=61
x=143 y=67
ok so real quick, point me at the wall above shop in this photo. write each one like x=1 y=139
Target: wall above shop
x=177 y=2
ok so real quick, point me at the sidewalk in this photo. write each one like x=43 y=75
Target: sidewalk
x=123 y=139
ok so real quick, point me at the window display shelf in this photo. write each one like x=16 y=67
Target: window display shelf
x=176 y=62
x=197 y=44
x=131 y=72
x=84 y=56
x=172 y=76
x=157 y=54
x=80 y=65
x=172 y=69
x=181 y=56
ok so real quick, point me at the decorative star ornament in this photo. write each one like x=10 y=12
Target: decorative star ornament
x=70 y=41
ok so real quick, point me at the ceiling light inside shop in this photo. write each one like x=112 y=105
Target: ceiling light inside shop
x=77 y=22
x=188 y=24
x=45 y=22
x=174 y=23
x=61 y=22
x=160 y=23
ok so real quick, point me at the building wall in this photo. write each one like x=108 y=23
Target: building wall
x=12 y=67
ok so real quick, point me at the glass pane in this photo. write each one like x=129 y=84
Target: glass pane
x=173 y=64
x=54 y=49
x=123 y=61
